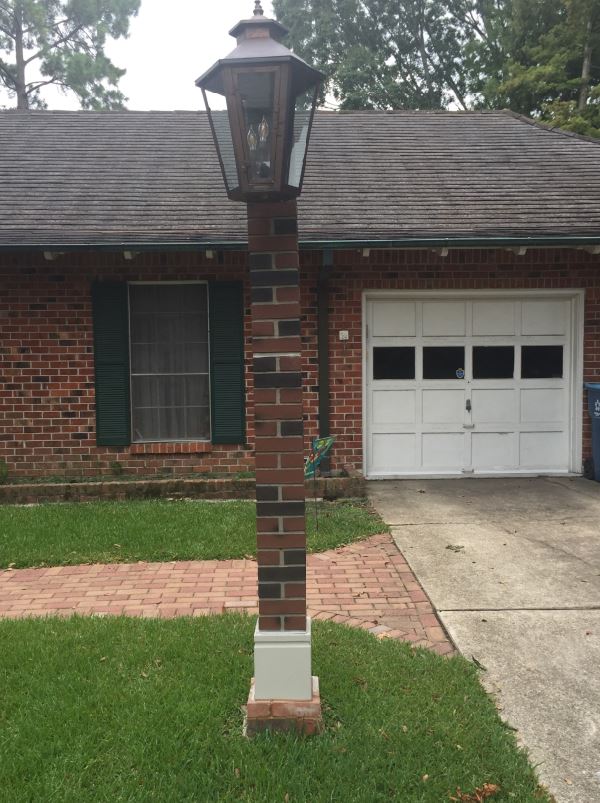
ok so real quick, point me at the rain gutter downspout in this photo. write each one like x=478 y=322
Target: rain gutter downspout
x=323 y=349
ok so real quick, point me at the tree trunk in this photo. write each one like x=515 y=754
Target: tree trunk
x=586 y=70
x=425 y=58
x=20 y=85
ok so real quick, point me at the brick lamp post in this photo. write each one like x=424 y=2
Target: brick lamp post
x=262 y=141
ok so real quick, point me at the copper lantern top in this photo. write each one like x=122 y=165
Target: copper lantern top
x=259 y=41
x=271 y=95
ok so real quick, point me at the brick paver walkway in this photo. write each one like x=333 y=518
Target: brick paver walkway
x=367 y=585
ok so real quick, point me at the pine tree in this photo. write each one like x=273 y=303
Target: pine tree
x=62 y=42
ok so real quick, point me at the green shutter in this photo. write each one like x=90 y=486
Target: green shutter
x=111 y=358
x=228 y=398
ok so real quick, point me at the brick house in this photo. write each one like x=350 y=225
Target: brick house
x=450 y=290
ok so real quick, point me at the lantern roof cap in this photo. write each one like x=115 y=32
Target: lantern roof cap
x=251 y=26
x=258 y=41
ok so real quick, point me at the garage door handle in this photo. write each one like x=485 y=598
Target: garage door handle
x=468 y=405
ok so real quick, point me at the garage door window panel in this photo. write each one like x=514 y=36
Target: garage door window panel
x=443 y=362
x=393 y=362
x=493 y=362
x=542 y=362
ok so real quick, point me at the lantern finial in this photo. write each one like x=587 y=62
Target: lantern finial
x=258 y=9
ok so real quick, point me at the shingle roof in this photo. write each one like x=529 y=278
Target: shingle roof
x=129 y=178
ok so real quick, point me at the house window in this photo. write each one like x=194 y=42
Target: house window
x=170 y=386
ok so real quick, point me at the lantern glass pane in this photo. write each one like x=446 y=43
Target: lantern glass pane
x=302 y=116
x=222 y=129
x=257 y=90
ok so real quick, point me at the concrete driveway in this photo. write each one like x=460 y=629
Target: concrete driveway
x=513 y=568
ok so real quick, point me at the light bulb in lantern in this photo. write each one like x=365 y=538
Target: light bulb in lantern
x=263 y=131
x=252 y=139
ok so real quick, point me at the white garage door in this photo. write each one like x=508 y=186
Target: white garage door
x=469 y=385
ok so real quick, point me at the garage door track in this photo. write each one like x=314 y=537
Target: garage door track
x=513 y=568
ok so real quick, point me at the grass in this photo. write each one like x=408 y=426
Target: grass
x=149 y=710
x=125 y=532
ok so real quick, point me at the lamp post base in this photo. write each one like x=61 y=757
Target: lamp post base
x=284 y=696
x=300 y=716
x=282 y=664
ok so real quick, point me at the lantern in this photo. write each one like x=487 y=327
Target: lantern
x=271 y=95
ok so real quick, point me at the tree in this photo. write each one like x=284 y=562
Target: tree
x=497 y=33
x=538 y=57
x=378 y=53
x=555 y=77
x=61 y=42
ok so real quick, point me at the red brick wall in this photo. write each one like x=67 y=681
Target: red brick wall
x=47 y=417
x=425 y=270
x=46 y=355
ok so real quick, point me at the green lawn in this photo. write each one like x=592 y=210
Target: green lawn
x=125 y=532
x=150 y=710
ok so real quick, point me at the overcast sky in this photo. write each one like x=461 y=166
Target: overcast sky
x=171 y=44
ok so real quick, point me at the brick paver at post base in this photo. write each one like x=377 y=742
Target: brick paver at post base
x=367 y=585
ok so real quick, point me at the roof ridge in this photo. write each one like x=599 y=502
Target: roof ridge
x=553 y=129
x=340 y=112
x=420 y=111
x=82 y=113
x=102 y=112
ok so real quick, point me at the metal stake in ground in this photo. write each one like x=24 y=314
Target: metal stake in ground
x=319 y=451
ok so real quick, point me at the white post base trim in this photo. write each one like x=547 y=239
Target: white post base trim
x=282 y=664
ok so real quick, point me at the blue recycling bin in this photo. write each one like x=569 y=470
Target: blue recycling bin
x=593 y=389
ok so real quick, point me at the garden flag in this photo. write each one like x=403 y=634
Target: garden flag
x=320 y=447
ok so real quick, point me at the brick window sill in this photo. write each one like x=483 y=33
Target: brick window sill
x=185 y=447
